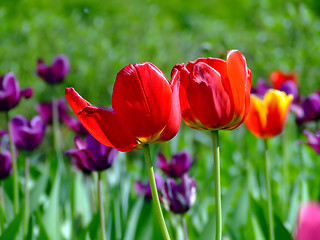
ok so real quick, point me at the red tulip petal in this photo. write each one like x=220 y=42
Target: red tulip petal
x=106 y=126
x=142 y=100
x=174 y=121
x=239 y=81
x=95 y=125
x=216 y=63
x=208 y=98
x=187 y=114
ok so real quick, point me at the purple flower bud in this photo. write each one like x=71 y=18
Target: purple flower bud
x=91 y=155
x=27 y=135
x=178 y=165
x=75 y=124
x=179 y=198
x=144 y=189
x=313 y=140
x=310 y=109
x=10 y=93
x=308 y=224
x=44 y=109
x=5 y=164
x=290 y=87
x=56 y=72
x=261 y=88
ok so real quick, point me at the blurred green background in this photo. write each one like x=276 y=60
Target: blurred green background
x=101 y=37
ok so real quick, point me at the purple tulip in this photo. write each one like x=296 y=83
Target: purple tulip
x=10 y=93
x=179 y=198
x=289 y=87
x=178 y=165
x=27 y=135
x=308 y=224
x=313 y=140
x=91 y=155
x=44 y=109
x=144 y=189
x=56 y=72
x=261 y=88
x=5 y=164
x=309 y=109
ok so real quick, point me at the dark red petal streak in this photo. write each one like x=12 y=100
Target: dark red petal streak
x=106 y=128
x=207 y=96
x=142 y=99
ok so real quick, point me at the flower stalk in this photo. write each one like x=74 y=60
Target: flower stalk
x=26 y=197
x=101 y=209
x=268 y=189
x=154 y=192
x=216 y=157
x=14 y=169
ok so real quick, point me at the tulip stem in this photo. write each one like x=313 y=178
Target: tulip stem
x=101 y=210
x=26 y=197
x=268 y=189
x=14 y=169
x=185 y=229
x=154 y=192
x=216 y=158
x=56 y=130
x=2 y=213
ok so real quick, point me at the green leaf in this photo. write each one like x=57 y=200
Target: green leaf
x=38 y=189
x=14 y=227
x=43 y=235
x=51 y=214
x=132 y=220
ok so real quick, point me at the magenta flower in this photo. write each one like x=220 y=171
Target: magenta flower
x=27 y=135
x=179 y=198
x=5 y=164
x=44 y=109
x=309 y=109
x=56 y=72
x=144 y=189
x=313 y=140
x=10 y=93
x=308 y=224
x=261 y=88
x=91 y=155
x=178 y=165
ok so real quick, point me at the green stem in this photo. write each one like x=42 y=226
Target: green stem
x=284 y=172
x=101 y=210
x=56 y=130
x=185 y=229
x=268 y=188
x=154 y=192
x=2 y=213
x=14 y=170
x=26 y=197
x=216 y=156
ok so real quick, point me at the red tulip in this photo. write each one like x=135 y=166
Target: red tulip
x=278 y=78
x=145 y=109
x=215 y=94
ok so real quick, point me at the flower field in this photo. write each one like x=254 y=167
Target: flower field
x=138 y=120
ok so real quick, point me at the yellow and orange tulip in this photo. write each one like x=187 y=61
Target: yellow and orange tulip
x=267 y=117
